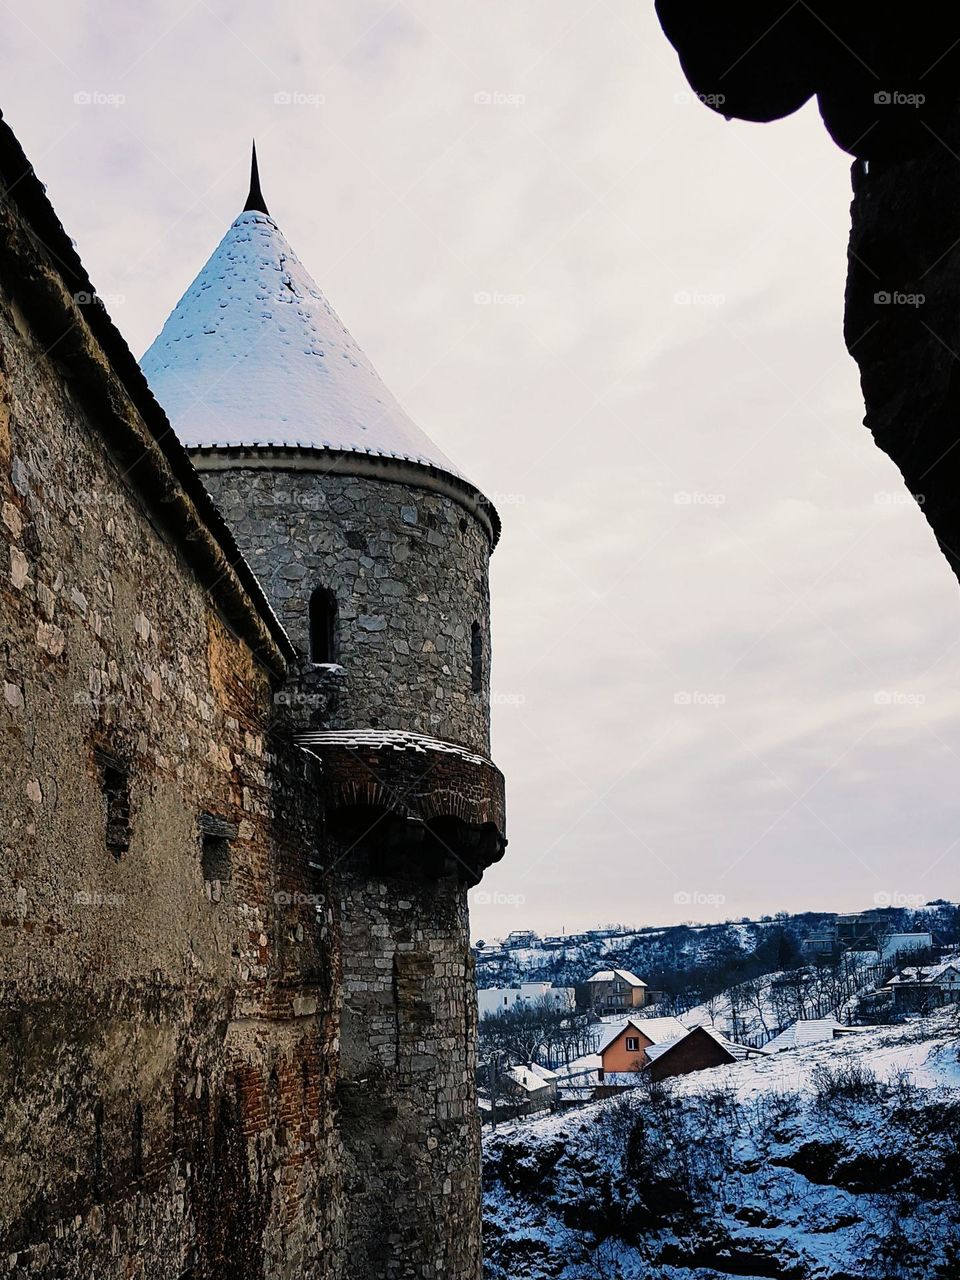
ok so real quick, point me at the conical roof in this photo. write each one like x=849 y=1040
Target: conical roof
x=254 y=355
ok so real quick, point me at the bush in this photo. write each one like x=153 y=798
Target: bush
x=849 y=1081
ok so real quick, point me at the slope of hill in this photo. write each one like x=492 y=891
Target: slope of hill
x=691 y=963
x=836 y=1162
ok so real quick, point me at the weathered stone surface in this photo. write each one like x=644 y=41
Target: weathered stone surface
x=406 y=606
x=183 y=917
x=408 y=570
x=164 y=1106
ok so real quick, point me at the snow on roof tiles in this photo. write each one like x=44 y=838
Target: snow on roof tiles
x=386 y=739
x=253 y=354
x=530 y=1078
x=609 y=975
x=656 y=1030
x=806 y=1031
x=736 y=1051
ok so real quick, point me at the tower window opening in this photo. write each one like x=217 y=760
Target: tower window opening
x=323 y=626
x=136 y=1140
x=115 y=788
x=216 y=837
x=476 y=658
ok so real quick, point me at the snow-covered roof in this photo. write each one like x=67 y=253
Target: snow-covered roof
x=544 y=1073
x=737 y=1051
x=806 y=1031
x=581 y=1071
x=530 y=1077
x=656 y=1030
x=386 y=740
x=610 y=975
x=928 y=975
x=254 y=355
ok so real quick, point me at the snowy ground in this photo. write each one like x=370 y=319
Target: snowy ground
x=834 y=1162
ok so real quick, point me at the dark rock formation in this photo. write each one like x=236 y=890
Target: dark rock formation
x=887 y=87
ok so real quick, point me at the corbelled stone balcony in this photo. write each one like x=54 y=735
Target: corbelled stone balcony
x=410 y=804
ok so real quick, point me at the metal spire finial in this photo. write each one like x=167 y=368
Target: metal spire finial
x=255 y=199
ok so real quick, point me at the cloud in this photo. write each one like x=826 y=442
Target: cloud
x=675 y=330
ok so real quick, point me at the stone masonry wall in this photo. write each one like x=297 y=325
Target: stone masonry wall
x=167 y=1008
x=409 y=571
x=409 y=1117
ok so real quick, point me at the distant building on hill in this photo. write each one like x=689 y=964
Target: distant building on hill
x=495 y=999
x=921 y=988
x=613 y=989
x=856 y=931
x=898 y=944
x=520 y=938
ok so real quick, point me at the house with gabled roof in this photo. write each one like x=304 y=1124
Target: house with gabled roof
x=696 y=1050
x=611 y=990
x=920 y=988
x=624 y=1047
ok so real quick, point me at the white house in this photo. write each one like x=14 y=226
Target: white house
x=494 y=999
x=895 y=944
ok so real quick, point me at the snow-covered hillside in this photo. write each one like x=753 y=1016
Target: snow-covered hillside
x=839 y=1161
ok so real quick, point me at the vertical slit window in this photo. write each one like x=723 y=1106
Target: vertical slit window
x=216 y=837
x=115 y=787
x=323 y=626
x=476 y=658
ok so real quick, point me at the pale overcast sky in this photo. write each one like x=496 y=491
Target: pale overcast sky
x=726 y=659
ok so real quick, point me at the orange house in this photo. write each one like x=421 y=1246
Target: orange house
x=624 y=1049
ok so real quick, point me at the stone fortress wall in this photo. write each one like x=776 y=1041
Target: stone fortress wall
x=237 y=1014
x=168 y=994
x=408 y=570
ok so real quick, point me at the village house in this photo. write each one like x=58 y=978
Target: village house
x=624 y=1047
x=611 y=990
x=522 y=1090
x=616 y=1064
x=696 y=1050
x=533 y=1085
x=856 y=931
x=920 y=988
x=898 y=944
x=520 y=938
x=495 y=999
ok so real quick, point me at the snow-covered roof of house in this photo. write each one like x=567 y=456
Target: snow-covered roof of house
x=806 y=1031
x=657 y=1030
x=737 y=1051
x=530 y=1077
x=581 y=1071
x=610 y=975
x=544 y=1073
x=254 y=355
x=927 y=975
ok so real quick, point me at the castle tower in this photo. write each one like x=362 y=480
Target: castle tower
x=373 y=550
